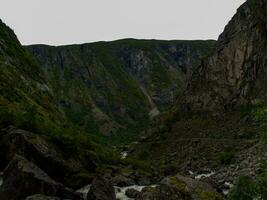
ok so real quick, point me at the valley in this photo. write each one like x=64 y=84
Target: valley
x=137 y=119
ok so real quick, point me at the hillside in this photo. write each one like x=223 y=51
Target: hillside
x=221 y=119
x=115 y=87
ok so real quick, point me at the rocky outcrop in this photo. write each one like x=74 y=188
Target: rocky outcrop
x=101 y=189
x=23 y=178
x=33 y=147
x=235 y=74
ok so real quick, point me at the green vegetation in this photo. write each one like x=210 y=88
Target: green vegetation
x=225 y=158
x=98 y=85
x=208 y=195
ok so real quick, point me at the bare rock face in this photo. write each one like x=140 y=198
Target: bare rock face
x=101 y=189
x=236 y=72
x=23 y=178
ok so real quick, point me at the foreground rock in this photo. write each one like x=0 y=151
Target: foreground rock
x=101 y=189
x=122 y=181
x=23 y=178
x=132 y=193
x=41 y=197
x=43 y=153
x=179 y=187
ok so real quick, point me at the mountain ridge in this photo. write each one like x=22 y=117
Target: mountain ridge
x=155 y=70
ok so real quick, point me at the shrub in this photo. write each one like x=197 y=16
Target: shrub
x=245 y=189
x=226 y=158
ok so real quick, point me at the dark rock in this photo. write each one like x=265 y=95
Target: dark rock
x=178 y=187
x=235 y=74
x=41 y=197
x=37 y=150
x=132 y=193
x=122 y=181
x=101 y=189
x=23 y=178
x=162 y=192
x=144 y=181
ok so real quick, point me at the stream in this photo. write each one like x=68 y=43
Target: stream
x=119 y=191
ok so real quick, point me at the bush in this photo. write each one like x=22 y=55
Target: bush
x=245 y=189
x=226 y=158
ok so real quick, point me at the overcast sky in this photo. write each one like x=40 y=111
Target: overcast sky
x=58 y=22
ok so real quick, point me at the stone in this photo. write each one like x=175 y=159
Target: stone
x=122 y=181
x=33 y=147
x=101 y=189
x=22 y=178
x=41 y=197
x=132 y=193
x=178 y=187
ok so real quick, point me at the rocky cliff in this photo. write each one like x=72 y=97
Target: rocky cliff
x=108 y=86
x=235 y=73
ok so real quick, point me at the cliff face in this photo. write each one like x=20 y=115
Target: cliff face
x=236 y=72
x=108 y=86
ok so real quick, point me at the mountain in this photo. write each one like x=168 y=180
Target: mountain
x=219 y=125
x=112 y=87
x=40 y=149
x=235 y=74
x=45 y=155
x=23 y=86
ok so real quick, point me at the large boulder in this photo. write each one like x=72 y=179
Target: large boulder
x=179 y=187
x=101 y=189
x=122 y=181
x=132 y=193
x=23 y=178
x=41 y=197
x=37 y=150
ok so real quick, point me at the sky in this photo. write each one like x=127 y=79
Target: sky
x=59 y=22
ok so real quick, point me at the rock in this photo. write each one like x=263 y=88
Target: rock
x=178 y=187
x=36 y=149
x=162 y=192
x=101 y=189
x=41 y=197
x=23 y=178
x=235 y=73
x=144 y=181
x=122 y=181
x=132 y=193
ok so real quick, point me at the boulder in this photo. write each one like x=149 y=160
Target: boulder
x=41 y=197
x=37 y=150
x=22 y=178
x=163 y=192
x=179 y=187
x=101 y=189
x=122 y=181
x=132 y=193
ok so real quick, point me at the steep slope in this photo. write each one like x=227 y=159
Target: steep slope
x=110 y=86
x=217 y=122
x=25 y=98
x=236 y=72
